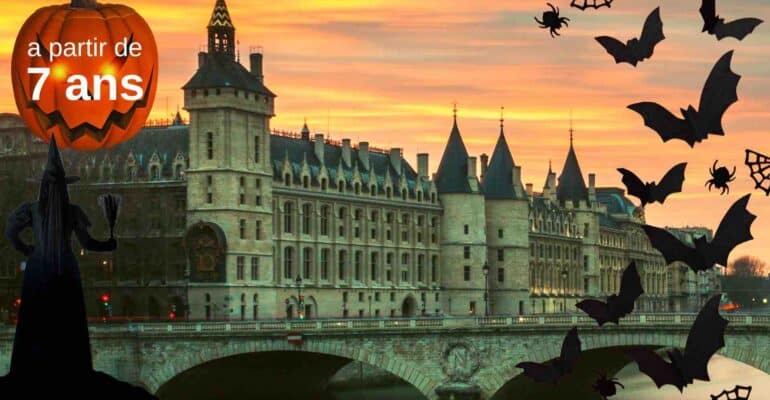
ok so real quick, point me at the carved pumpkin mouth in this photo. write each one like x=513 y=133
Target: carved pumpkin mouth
x=55 y=118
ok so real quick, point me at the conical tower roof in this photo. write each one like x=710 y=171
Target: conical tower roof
x=571 y=185
x=498 y=180
x=452 y=174
x=221 y=15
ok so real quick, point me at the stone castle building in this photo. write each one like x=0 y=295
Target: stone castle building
x=225 y=217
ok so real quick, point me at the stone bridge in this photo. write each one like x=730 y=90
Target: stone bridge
x=425 y=352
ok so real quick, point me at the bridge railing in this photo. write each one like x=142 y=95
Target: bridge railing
x=420 y=323
x=432 y=323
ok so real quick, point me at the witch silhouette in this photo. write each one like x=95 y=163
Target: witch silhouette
x=51 y=349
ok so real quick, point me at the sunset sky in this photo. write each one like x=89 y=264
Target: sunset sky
x=388 y=71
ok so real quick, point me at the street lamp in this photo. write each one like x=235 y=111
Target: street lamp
x=564 y=275
x=485 y=269
x=300 y=299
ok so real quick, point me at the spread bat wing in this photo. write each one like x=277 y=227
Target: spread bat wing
x=708 y=12
x=630 y=290
x=719 y=93
x=616 y=49
x=652 y=34
x=570 y=350
x=662 y=121
x=538 y=372
x=653 y=365
x=595 y=309
x=706 y=337
x=734 y=229
x=669 y=246
x=739 y=29
x=634 y=185
x=670 y=183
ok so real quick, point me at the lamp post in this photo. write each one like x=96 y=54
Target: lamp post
x=485 y=269
x=300 y=299
x=564 y=276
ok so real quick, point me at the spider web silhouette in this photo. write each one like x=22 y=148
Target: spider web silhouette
x=591 y=4
x=759 y=164
x=734 y=394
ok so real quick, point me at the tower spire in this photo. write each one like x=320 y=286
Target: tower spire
x=454 y=111
x=502 y=118
x=221 y=31
x=571 y=130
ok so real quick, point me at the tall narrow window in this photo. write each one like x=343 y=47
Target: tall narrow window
x=258 y=230
x=342 y=261
x=240 y=268
x=256 y=149
x=357 y=274
x=307 y=215
x=324 y=264
x=324 y=220
x=374 y=261
x=288 y=262
x=210 y=145
x=466 y=252
x=242 y=228
x=500 y=275
x=254 y=268
x=307 y=258
x=434 y=268
x=421 y=268
x=288 y=220
x=209 y=189
x=258 y=199
x=242 y=191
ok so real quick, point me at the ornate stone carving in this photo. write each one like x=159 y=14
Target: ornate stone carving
x=460 y=361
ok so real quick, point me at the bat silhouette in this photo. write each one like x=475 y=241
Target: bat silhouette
x=706 y=337
x=716 y=26
x=619 y=305
x=719 y=93
x=636 y=50
x=651 y=192
x=734 y=229
x=552 y=371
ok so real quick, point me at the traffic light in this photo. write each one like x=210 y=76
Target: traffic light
x=107 y=307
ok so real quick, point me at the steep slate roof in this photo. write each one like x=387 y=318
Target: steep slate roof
x=452 y=173
x=219 y=71
x=498 y=180
x=615 y=200
x=298 y=151
x=166 y=141
x=571 y=185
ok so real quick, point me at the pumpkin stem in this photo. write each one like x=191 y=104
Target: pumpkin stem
x=83 y=4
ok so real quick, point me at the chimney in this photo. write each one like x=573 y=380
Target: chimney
x=592 y=188
x=346 y=151
x=484 y=164
x=516 y=178
x=319 y=146
x=530 y=189
x=202 y=58
x=422 y=165
x=552 y=181
x=395 y=159
x=471 y=167
x=256 y=65
x=363 y=154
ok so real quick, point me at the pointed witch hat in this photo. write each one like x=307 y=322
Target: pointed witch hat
x=54 y=168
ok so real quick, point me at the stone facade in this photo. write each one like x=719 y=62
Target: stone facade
x=224 y=214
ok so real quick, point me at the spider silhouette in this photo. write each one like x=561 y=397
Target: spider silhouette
x=552 y=20
x=720 y=177
x=606 y=387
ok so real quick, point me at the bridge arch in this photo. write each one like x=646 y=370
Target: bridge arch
x=158 y=372
x=744 y=348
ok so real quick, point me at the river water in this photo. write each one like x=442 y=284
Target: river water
x=725 y=374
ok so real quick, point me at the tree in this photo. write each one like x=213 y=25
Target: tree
x=747 y=266
x=745 y=281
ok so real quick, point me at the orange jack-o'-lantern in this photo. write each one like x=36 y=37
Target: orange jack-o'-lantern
x=95 y=94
